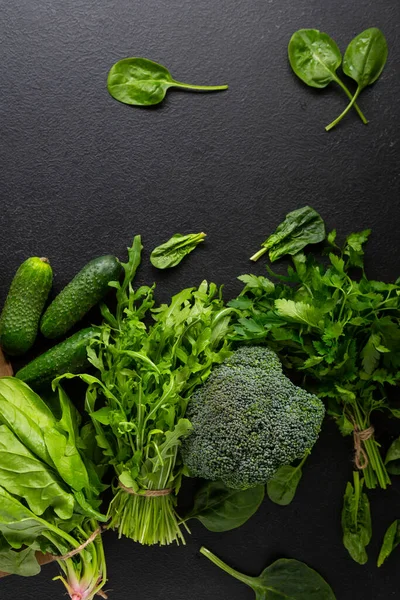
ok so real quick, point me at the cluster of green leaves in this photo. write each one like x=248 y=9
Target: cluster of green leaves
x=339 y=333
x=149 y=361
x=285 y=578
x=170 y=253
x=49 y=489
x=356 y=520
x=142 y=82
x=315 y=58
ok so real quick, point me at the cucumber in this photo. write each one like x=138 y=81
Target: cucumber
x=70 y=356
x=19 y=320
x=86 y=289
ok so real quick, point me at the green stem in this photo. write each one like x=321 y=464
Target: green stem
x=207 y=88
x=350 y=97
x=344 y=113
x=219 y=563
x=258 y=254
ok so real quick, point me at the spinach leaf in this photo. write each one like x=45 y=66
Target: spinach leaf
x=315 y=58
x=356 y=520
x=285 y=578
x=282 y=487
x=301 y=227
x=23 y=562
x=142 y=82
x=171 y=253
x=220 y=508
x=390 y=542
x=19 y=526
x=392 y=460
x=364 y=61
x=23 y=475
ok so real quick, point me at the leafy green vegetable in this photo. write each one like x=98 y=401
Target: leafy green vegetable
x=364 y=61
x=392 y=460
x=300 y=228
x=142 y=82
x=48 y=491
x=285 y=578
x=315 y=58
x=149 y=360
x=220 y=508
x=336 y=328
x=356 y=520
x=171 y=253
x=390 y=542
x=282 y=487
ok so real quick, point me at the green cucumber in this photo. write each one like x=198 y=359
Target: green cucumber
x=86 y=289
x=70 y=356
x=19 y=320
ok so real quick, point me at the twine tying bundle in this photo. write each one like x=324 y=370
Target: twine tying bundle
x=79 y=549
x=360 y=436
x=146 y=493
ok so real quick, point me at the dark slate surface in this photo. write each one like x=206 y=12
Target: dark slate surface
x=81 y=174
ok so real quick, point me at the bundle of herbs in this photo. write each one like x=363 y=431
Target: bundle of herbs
x=49 y=491
x=149 y=361
x=333 y=325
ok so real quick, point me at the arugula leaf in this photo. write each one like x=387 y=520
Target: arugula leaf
x=300 y=228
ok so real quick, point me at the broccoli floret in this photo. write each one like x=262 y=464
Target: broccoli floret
x=248 y=420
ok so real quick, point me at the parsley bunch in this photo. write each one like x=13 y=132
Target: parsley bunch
x=339 y=330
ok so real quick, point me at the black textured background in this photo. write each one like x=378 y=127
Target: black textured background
x=80 y=174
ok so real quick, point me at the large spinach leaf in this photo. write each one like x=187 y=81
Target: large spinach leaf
x=142 y=82
x=285 y=579
x=301 y=227
x=220 y=508
x=23 y=562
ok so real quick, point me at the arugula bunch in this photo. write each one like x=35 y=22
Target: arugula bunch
x=149 y=361
x=340 y=333
x=49 y=490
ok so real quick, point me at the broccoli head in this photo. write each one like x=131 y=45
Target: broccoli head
x=248 y=420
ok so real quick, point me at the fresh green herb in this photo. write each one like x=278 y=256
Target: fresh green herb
x=220 y=508
x=282 y=487
x=142 y=82
x=363 y=61
x=300 y=228
x=248 y=420
x=149 y=361
x=48 y=491
x=315 y=58
x=392 y=460
x=356 y=520
x=171 y=253
x=341 y=333
x=285 y=578
x=390 y=542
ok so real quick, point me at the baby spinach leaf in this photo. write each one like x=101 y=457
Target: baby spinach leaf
x=284 y=579
x=392 y=460
x=300 y=228
x=390 y=542
x=364 y=61
x=171 y=253
x=142 y=82
x=23 y=475
x=23 y=562
x=356 y=520
x=315 y=58
x=220 y=508
x=282 y=487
